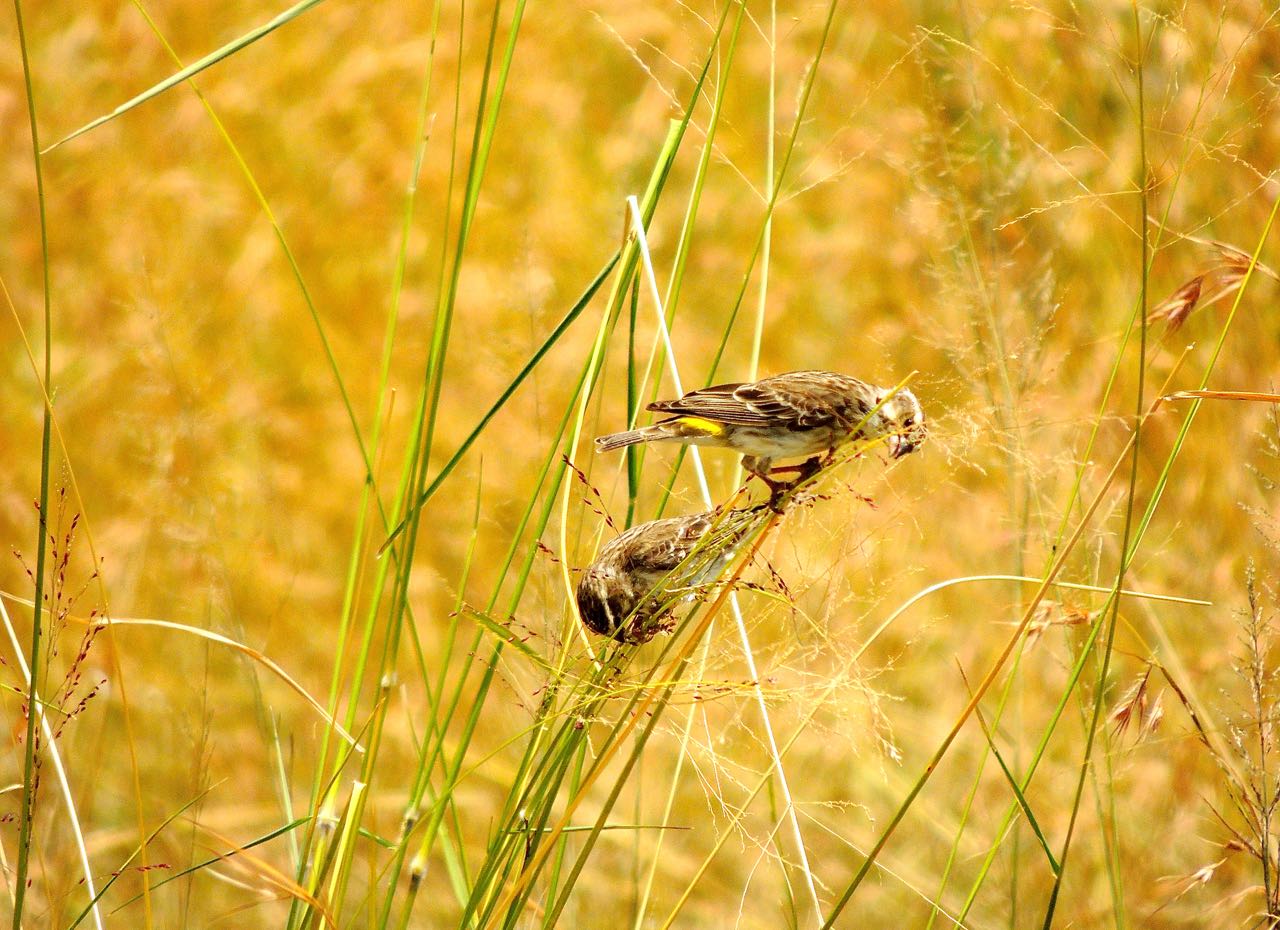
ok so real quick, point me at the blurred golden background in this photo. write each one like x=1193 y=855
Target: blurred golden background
x=961 y=202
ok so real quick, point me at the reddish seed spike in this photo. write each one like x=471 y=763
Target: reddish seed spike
x=1175 y=308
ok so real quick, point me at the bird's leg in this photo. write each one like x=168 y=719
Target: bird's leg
x=805 y=470
x=759 y=467
x=776 y=490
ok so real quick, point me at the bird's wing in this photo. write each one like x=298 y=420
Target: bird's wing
x=799 y=400
x=660 y=546
x=657 y=547
x=717 y=403
x=737 y=404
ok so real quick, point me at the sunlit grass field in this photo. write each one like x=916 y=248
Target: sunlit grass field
x=330 y=327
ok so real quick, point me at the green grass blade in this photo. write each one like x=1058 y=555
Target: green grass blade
x=193 y=69
x=445 y=470
x=1017 y=793
x=26 y=813
x=214 y=860
x=1127 y=535
x=137 y=851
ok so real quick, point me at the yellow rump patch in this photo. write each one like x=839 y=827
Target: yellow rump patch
x=710 y=427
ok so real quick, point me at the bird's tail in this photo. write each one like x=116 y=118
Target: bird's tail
x=628 y=438
x=682 y=429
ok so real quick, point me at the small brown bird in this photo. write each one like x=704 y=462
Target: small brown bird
x=793 y=414
x=629 y=590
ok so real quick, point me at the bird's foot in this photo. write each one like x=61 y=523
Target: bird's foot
x=776 y=490
x=811 y=466
x=805 y=470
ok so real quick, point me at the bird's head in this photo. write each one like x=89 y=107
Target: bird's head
x=904 y=422
x=604 y=601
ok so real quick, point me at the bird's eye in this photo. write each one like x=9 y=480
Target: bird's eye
x=909 y=421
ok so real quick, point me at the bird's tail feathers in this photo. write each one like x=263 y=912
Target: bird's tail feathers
x=628 y=438
x=679 y=428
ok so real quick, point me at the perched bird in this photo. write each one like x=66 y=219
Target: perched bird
x=798 y=413
x=628 y=591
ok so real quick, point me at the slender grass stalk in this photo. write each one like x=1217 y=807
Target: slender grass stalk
x=359 y=542
x=1021 y=579
x=633 y=408
x=1130 y=551
x=433 y=754
x=1180 y=173
x=1073 y=499
x=26 y=815
x=558 y=749
x=688 y=225
x=1100 y=690
x=554 y=337
x=1108 y=815
x=320 y=827
x=417 y=458
x=370 y=483
x=187 y=74
x=441 y=719
x=1004 y=405
x=435 y=735
x=559 y=883
x=761 y=784
x=1073 y=678
x=1021 y=799
x=770 y=185
x=633 y=403
x=802 y=106
x=304 y=290
x=953 y=852
x=484 y=131
x=1152 y=504
x=482 y=140
x=344 y=850
x=445 y=712
x=1013 y=807
x=492 y=868
x=684 y=243
x=178 y=874
x=268 y=663
x=748 y=653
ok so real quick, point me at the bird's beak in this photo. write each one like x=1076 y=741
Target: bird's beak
x=900 y=446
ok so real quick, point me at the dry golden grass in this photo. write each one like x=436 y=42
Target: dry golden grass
x=961 y=203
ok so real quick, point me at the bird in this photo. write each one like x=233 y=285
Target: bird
x=628 y=592
x=786 y=415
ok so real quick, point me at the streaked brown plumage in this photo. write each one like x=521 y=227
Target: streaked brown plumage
x=793 y=414
x=628 y=591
